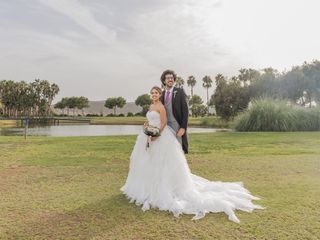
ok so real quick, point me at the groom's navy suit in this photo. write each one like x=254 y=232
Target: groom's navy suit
x=180 y=111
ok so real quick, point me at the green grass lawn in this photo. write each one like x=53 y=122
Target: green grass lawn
x=68 y=188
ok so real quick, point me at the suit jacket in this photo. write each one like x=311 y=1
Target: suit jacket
x=180 y=111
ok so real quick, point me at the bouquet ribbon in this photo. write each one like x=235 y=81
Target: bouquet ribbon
x=148 y=142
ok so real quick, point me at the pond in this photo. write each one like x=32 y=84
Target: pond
x=85 y=130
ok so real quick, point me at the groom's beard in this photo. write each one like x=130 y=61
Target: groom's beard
x=168 y=87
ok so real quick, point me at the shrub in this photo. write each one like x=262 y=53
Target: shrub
x=129 y=114
x=199 y=110
x=270 y=115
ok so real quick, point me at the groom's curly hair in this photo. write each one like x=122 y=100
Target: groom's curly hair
x=166 y=72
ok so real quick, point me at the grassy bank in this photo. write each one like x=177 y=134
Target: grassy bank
x=8 y=123
x=68 y=188
x=213 y=122
x=135 y=120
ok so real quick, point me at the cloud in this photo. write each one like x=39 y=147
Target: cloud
x=99 y=48
x=81 y=15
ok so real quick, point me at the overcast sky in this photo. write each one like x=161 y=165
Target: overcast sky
x=105 y=48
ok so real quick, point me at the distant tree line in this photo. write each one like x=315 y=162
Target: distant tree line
x=300 y=86
x=72 y=103
x=33 y=99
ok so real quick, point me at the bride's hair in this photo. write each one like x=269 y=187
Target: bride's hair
x=156 y=88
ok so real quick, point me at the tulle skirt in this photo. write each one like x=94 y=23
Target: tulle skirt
x=159 y=177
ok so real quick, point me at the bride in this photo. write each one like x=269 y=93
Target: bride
x=159 y=176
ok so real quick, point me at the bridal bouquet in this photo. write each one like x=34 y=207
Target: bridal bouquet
x=151 y=131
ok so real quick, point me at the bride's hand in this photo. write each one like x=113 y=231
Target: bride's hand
x=145 y=124
x=154 y=138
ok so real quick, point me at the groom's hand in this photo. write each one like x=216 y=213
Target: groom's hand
x=181 y=132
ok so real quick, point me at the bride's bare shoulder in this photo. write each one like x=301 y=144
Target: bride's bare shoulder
x=159 y=108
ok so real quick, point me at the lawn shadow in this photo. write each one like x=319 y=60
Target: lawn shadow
x=109 y=215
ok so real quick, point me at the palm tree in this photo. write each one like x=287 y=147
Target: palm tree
x=207 y=83
x=179 y=82
x=191 y=83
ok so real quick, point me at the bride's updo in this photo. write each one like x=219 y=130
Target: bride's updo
x=158 y=89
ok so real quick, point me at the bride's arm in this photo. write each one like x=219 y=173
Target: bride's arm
x=163 y=118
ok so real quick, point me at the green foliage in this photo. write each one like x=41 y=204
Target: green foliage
x=191 y=83
x=248 y=76
x=27 y=99
x=230 y=97
x=199 y=110
x=301 y=84
x=195 y=99
x=207 y=83
x=114 y=102
x=144 y=101
x=271 y=115
x=73 y=103
x=267 y=84
x=179 y=82
x=196 y=106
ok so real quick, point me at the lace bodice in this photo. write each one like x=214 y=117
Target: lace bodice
x=154 y=118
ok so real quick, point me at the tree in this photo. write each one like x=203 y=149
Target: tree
x=194 y=103
x=311 y=71
x=292 y=85
x=195 y=100
x=72 y=104
x=207 y=83
x=179 y=82
x=114 y=102
x=197 y=107
x=191 y=83
x=248 y=76
x=268 y=85
x=199 y=110
x=64 y=103
x=230 y=98
x=27 y=99
x=60 y=105
x=83 y=102
x=144 y=101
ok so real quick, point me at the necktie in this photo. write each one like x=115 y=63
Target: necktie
x=167 y=97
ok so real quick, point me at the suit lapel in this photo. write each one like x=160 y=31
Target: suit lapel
x=173 y=96
x=162 y=97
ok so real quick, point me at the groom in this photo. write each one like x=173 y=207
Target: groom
x=175 y=101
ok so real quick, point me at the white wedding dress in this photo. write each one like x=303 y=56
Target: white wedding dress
x=159 y=177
